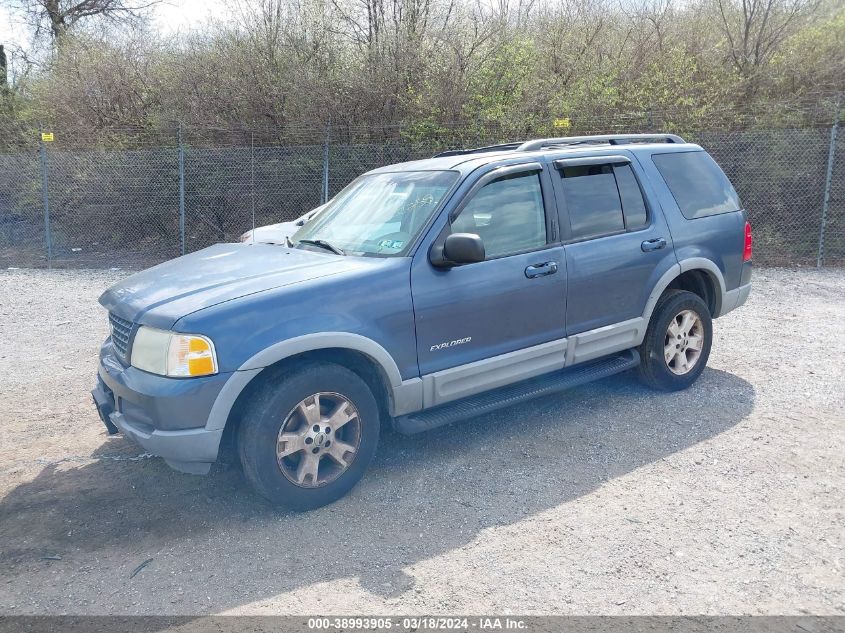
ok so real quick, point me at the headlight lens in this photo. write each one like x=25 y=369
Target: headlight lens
x=173 y=354
x=190 y=355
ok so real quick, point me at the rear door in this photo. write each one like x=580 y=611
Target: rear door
x=513 y=300
x=618 y=243
x=706 y=217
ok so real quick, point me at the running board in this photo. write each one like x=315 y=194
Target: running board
x=519 y=392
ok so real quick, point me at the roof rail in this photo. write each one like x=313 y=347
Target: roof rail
x=611 y=139
x=478 y=150
x=540 y=143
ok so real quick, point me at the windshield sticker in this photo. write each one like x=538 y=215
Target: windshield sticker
x=397 y=244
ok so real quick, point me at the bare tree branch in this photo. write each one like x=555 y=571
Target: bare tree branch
x=58 y=17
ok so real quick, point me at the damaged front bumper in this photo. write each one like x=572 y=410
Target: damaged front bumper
x=165 y=416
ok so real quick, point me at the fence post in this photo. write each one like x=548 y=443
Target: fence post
x=181 y=191
x=324 y=198
x=828 y=179
x=252 y=179
x=45 y=195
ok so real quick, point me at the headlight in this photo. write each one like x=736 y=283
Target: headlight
x=245 y=237
x=173 y=354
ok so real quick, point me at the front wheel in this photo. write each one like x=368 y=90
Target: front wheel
x=677 y=342
x=305 y=441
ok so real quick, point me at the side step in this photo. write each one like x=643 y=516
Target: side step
x=519 y=392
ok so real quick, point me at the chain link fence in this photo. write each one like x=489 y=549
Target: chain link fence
x=134 y=199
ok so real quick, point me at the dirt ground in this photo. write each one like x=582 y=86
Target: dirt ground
x=728 y=498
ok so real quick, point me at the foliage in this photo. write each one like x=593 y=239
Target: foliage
x=431 y=67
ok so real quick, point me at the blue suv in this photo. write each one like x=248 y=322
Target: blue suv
x=423 y=293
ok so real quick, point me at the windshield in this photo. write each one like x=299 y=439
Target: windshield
x=378 y=214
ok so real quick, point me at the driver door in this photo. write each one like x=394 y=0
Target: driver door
x=508 y=304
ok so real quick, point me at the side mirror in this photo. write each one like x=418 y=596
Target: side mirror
x=463 y=248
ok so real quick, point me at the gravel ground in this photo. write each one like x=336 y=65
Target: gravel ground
x=728 y=498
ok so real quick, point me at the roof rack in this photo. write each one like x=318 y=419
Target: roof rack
x=478 y=150
x=610 y=139
x=541 y=143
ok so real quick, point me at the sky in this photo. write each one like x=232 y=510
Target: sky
x=169 y=17
x=178 y=15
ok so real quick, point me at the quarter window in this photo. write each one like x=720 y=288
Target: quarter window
x=602 y=199
x=507 y=214
x=699 y=186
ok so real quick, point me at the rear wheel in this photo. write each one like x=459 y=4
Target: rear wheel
x=677 y=343
x=307 y=439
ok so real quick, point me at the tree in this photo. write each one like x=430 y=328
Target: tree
x=755 y=30
x=4 y=78
x=58 y=17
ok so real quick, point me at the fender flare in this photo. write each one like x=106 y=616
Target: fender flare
x=691 y=263
x=233 y=387
x=707 y=265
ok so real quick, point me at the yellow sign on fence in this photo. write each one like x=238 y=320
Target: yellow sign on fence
x=563 y=123
x=47 y=137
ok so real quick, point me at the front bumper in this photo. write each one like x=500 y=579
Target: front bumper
x=165 y=416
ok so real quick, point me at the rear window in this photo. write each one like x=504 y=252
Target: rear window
x=698 y=184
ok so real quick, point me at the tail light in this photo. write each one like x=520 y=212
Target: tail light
x=746 y=251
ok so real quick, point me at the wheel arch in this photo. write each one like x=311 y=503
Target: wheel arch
x=702 y=283
x=363 y=356
x=696 y=274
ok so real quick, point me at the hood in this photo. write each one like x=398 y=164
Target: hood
x=161 y=295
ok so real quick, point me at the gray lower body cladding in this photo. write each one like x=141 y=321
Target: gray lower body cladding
x=516 y=393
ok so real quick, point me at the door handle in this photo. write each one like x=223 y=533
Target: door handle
x=539 y=270
x=653 y=245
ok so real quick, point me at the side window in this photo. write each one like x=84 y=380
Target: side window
x=633 y=205
x=603 y=199
x=507 y=214
x=699 y=186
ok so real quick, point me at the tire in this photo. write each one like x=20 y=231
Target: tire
x=279 y=465
x=680 y=371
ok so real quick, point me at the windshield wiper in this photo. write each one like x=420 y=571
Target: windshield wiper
x=324 y=244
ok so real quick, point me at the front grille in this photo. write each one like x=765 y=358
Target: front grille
x=121 y=332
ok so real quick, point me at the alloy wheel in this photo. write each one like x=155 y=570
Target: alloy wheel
x=684 y=342
x=319 y=440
